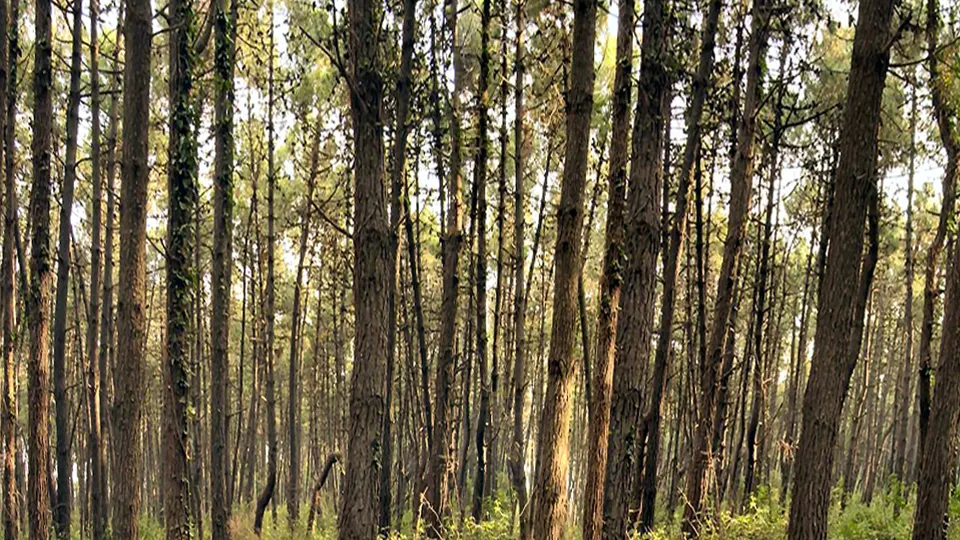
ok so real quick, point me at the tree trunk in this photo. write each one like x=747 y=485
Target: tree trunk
x=38 y=295
x=9 y=58
x=399 y=151
x=518 y=475
x=131 y=308
x=832 y=363
x=480 y=181
x=903 y=400
x=937 y=433
x=549 y=495
x=221 y=276
x=181 y=274
x=740 y=191
x=444 y=419
x=61 y=514
x=950 y=138
x=296 y=344
x=359 y=516
x=269 y=309
x=97 y=449
x=611 y=279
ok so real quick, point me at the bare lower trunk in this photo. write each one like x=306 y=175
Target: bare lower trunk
x=61 y=514
x=359 y=515
x=131 y=308
x=548 y=516
x=38 y=294
x=832 y=363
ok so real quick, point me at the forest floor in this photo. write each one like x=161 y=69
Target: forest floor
x=763 y=519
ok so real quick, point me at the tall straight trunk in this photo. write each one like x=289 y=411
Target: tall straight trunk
x=937 y=435
x=9 y=57
x=97 y=452
x=518 y=475
x=269 y=308
x=759 y=373
x=296 y=344
x=857 y=415
x=548 y=512
x=38 y=294
x=181 y=274
x=654 y=97
x=61 y=514
x=741 y=173
x=480 y=181
x=399 y=150
x=642 y=244
x=832 y=363
x=441 y=453
x=359 y=515
x=796 y=374
x=105 y=362
x=500 y=343
x=224 y=44
x=611 y=279
x=131 y=307
x=249 y=445
x=904 y=378
x=950 y=138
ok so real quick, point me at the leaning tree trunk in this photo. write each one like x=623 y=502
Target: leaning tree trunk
x=359 y=515
x=642 y=244
x=61 y=513
x=832 y=363
x=937 y=462
x=548 y=513
x=611 y=279
x=740 y=191
x=131 y=308
x=181 y=274
x=950 y=138
x=38 y=294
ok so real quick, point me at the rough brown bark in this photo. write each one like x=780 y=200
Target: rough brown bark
x=131 y=307
x=938 y=420
x=359 y=515
x=950 y=138
x=224 y=37
x=441 y=453
x=38 y=293
x=642 y=227
x=611 y=279
x=832 y=363
x=548 y=512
